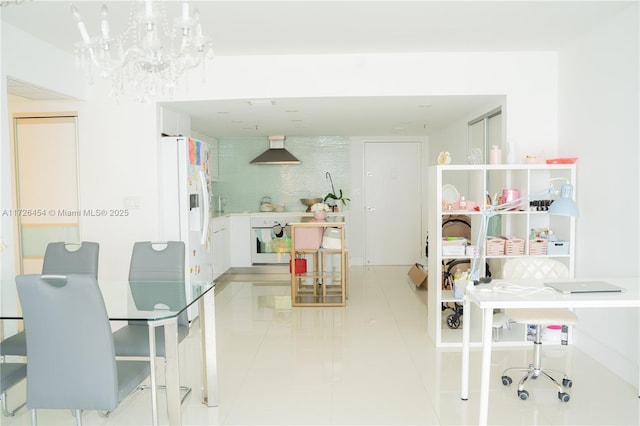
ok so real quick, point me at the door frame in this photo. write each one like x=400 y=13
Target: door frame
x=356 y=209
x=15 y=184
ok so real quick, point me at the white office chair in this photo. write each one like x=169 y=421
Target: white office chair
x=537 y=268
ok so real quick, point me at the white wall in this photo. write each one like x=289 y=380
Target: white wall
x=117 y=140
x=599 y=117
x=528 y=79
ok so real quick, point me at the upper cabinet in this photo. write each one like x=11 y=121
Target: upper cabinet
x=174 y=123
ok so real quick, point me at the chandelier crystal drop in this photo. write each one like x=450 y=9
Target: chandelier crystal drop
x=150 y=57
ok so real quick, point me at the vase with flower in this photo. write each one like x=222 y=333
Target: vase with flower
x=333 y=197
x=320 y=211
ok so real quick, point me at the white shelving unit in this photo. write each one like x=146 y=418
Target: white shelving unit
x=474 y=182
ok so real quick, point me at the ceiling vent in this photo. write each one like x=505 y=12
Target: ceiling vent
x=276 y=154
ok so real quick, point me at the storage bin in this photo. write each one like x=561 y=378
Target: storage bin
x=495 y=246
x=453 y=250
x=537 y=247
x=332 y=238
x=514 y=246
x=557 y=247
x=307 y=238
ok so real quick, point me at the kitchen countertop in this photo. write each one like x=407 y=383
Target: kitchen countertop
x=273 y=214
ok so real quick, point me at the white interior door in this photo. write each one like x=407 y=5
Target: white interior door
x=393 y=211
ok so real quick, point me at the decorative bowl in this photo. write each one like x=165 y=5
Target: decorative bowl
x=562 y=161
x=310 y=201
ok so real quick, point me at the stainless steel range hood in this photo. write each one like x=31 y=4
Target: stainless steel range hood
x=276 y=154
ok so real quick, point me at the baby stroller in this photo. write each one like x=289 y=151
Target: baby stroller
x=455 y=225
x=449 y=270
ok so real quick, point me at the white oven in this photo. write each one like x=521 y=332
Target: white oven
x=271 y=239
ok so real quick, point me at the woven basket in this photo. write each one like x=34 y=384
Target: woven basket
x=514 y=246
x=495 y=246
x=537 y=247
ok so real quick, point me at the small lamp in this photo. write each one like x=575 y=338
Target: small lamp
x=563 y=206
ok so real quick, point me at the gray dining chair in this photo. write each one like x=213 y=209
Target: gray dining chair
x=60 y=258
x=11 y=373
x=160 y=264
x=71 y=357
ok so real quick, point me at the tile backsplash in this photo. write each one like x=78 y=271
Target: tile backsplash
x=243 y=185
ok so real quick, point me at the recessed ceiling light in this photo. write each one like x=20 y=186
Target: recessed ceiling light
x=222 y=112
x=261 y=102
x=292 y=110
x=425 y=106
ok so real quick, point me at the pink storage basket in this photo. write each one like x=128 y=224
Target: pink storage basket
x=537 y=247
x=495 y=246
x=514 y=246
x=308 y=238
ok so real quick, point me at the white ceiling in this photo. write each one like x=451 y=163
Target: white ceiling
x=321 y=27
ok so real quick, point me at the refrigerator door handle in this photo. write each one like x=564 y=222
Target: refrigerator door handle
x=205 y=209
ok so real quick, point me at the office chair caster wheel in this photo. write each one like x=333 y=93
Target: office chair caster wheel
x=523 y=395
x=564 y=397
x=567 y=383
x=506 y=380
x=453 y=321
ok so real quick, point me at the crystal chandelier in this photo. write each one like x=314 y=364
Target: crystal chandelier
x=10 y=2
x=150 y=57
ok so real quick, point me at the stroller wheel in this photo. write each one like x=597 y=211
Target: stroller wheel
x=453 y=321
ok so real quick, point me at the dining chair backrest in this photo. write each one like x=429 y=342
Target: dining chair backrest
x=161 y=261
x=158 y=262
x=71 y=258
x=70 y=352
x=528 y=267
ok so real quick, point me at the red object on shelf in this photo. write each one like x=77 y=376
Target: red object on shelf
x=562 y=160
x=301 y=266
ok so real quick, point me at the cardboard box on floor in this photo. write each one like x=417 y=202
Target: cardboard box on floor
x=418 y=275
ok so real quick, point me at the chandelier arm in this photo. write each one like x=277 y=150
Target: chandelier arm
x=149 y=57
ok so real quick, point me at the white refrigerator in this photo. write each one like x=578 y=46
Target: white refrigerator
x=184 y=211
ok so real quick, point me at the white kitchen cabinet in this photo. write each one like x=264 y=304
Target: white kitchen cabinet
x=240 y=241
x=476 y=183
x=220 y=245
x=174 y=123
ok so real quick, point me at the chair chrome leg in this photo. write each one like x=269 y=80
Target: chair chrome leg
x=186 y=390
x=5 y=409
x=34 y=417
x=535 y=370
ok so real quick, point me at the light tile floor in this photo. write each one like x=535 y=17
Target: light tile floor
x=368 y=363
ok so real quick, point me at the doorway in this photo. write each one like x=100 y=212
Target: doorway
x=393 y=202
x=46 y=179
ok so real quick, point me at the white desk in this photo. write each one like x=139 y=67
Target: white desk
x=487 y=301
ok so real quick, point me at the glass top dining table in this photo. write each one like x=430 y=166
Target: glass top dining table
x=126 y=300
x=159 y=303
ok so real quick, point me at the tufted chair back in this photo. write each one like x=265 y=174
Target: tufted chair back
x=534 y=268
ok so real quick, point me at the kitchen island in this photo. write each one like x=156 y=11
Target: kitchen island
x=322 y=284
x=235 y=245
